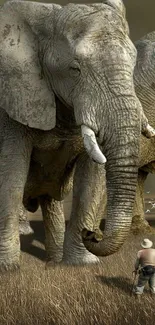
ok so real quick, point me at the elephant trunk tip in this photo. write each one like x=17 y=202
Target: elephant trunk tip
x=101 y=244
x=94 y=236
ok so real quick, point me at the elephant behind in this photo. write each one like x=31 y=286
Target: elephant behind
x=144 y=77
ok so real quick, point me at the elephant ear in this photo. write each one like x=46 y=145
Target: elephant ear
x=24 y=92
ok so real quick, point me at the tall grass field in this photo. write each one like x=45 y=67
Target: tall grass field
x=68 y=295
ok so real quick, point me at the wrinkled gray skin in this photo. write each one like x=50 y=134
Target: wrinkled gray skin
x=67 y=70
x=144 y=80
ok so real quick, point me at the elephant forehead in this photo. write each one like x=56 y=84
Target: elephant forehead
x=94 y=38
x=92 y=47
x=85 y=48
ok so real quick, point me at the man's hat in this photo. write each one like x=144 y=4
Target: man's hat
x=146 y=243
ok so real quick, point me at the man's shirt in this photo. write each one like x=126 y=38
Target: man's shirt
x=145 y=257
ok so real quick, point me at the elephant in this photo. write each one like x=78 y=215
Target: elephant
x=144 y=81
x=68 y=108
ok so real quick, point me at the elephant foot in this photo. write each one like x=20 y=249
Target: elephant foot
x=81 y=260
x=75 y=252
x=54 y=249
x=53 y=259
x=141 y=226
x=6 y=266
x=78 y=258
x=52 y=263
x=25 y=228
x=9 y=252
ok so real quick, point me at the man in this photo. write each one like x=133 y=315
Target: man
x=146 y=261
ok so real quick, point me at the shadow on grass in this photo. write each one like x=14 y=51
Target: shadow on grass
x=27 y=242
x=122 y=283
x=29 y=246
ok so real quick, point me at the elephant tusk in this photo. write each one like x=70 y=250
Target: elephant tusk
x=91 y=145
x=148 y=131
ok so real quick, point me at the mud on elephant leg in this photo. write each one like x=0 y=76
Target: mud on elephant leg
x=54 y=224
x=24 y=224
x=88 y=192
x=139 y=224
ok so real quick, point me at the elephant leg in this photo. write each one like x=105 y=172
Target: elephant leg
x=24 y=224
x=139 y=224
x=54 y=224
x=88 y=188
x=14 y=164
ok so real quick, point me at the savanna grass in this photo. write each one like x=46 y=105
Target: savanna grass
x=94 y=295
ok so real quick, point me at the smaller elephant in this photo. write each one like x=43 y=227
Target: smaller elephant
x=144 y=79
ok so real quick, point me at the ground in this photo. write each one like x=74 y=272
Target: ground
x=89 y=295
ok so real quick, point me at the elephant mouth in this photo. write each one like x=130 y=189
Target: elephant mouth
x=91 y=145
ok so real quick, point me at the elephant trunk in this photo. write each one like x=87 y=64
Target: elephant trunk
x=118 y=220
x=121 y=174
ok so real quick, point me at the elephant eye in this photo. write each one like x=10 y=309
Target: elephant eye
x=74 y=70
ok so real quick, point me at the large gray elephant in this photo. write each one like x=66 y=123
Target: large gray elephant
x=144 y=80
x=66 y=78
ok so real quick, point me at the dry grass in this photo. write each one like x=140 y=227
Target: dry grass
x=91 y=295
